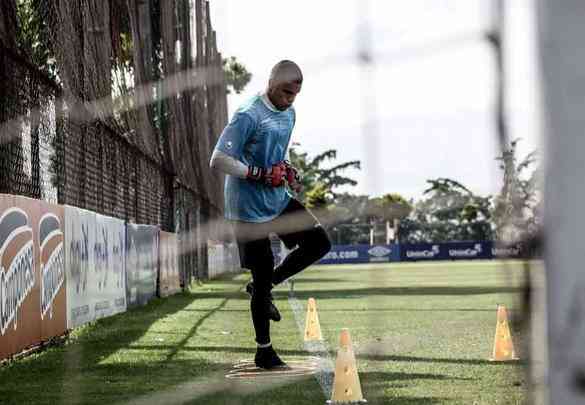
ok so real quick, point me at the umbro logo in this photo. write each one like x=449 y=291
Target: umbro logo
x=379 y=251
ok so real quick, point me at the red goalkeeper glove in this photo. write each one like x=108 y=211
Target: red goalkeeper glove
x=293 y=177
x=273 y=176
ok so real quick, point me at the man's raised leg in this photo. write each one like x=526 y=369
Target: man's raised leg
x=309 y=237
x=312 y=244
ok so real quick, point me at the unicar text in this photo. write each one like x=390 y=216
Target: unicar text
x=510 y=251
x=469 y=252
x=423 y=254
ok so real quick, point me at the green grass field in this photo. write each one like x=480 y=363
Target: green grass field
x=422 y=333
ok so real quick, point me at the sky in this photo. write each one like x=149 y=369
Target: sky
x=422 y=109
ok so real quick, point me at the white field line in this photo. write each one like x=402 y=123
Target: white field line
x=319 y=348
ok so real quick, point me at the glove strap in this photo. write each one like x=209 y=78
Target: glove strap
x=256 y=173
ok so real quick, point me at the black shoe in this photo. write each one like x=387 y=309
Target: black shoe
x=267 y=358
x=273 y=313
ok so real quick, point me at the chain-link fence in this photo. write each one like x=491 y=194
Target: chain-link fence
x=125 y=123
x=30 y=148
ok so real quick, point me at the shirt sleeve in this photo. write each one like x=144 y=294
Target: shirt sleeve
x=236 y=134
x=227 y=164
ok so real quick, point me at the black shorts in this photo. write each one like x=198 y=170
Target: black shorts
x=292 y=226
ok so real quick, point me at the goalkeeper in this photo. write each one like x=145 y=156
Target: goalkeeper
x=251 y=151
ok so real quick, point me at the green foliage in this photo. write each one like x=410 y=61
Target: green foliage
x=389 y=207
x=236 y=74
x=317 y=196
x=315 y=175
x=334 y=210
x=33 y=37
x=450 y=212
x=350 y=223
x=385 y=211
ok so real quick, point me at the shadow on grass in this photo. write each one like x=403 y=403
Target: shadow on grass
x=472 y=362
x=361 y=292
x=94 y=366
x=193 y=330
x=222 y=310
x=373 y=377
x=307 y=391
x=229 y=295
x=375 y=386
x=409 y=401
x=304 y=280
x=405 y=291
x=297 y=353
x=407 y=310
x=309 y=280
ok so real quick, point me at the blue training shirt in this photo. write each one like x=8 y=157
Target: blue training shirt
x=257 y=135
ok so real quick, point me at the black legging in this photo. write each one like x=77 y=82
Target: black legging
x=296 y=227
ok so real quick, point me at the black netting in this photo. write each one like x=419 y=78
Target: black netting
x=190 y=220
x=28 y=131
x=45 y=154
x=115 y=118
x=105 y=173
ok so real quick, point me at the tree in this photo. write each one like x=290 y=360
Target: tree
x=33 y=35
x=314 y=175
x=236 y=74
x=350 y=224
x=317 y=196
x=516 y=208
x=389 y=207
x=24 y=49
x=451 y=212
x=319 y=189
x=388 y=210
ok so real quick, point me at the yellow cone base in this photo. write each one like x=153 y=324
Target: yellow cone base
x=346 y=382
x=312 y=326
x=503 y=344
x=499 y=361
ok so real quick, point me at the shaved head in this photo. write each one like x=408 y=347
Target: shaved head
x=286 y=71
x=285 y=83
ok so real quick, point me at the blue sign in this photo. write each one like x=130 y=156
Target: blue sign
x=411 y=252
x=446 y=251
x=340 y=254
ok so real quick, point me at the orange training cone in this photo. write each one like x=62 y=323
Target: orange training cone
x=312 y=327
x=503 y=345
x=346 y=382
